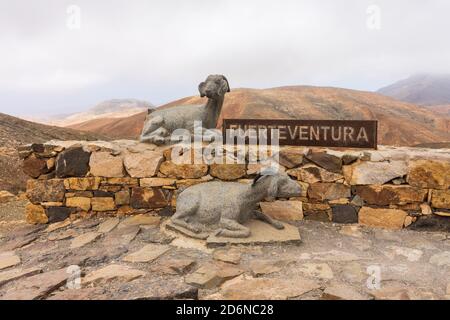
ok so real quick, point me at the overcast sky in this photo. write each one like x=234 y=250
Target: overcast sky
x=160 y=50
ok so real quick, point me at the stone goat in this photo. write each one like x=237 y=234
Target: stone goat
x=225 y=206
x=160 y=124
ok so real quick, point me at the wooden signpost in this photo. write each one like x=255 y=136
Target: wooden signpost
x=318 y=133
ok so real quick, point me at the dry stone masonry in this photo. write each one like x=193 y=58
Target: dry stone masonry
x=390 y=188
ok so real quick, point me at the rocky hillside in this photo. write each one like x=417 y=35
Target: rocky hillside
x=14 y=132
x=400 y=123
x=441 y=109
x=422 y=89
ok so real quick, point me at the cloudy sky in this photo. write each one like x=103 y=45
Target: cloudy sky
x=61 y=56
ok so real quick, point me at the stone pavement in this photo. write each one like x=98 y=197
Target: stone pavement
x=131 y=258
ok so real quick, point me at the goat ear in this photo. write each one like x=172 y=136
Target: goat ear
x=201 y=89
x=228 y=85
x=256 y=179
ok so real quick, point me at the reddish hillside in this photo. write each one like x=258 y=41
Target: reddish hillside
x=400 y=123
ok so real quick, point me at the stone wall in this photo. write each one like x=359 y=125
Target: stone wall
x=390 y=187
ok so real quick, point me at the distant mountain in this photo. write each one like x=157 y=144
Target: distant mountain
x=14 y=132
x=421 y=89
x=400 y=123
x=115 y=108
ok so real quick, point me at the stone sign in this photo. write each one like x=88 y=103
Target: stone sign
x=318 y=133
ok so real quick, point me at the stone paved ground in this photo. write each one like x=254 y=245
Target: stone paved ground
x=130 y=258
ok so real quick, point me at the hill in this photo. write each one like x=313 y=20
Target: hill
x=400 y=123
x=421 y=89
x=14 y=132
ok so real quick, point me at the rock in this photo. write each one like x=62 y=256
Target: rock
x=34 y=167
x=327 y=161
x=342 y=292
x=121 y=236
x=283 y=210
x=246 y=288
x=6 y=196
x=351 y=231
x=426 y=209
x=440 y=199
x=169 y=289
x=349 y=159
x=344 y=214
x=365 y=172
x=103 y=204
x=260 y=267
x=389 y=194
x=45 y=190
x=357 y=201
x=391 y=294
x=316 y=270
x=183 y=171
x=140 y=219
x=122 y=197
x=78 y=294
x=141 y=165
x=68 y=234
x=210 y=276
x=148 y=198
x=38 y=286
x=398 y=181
x=178 y=266
x=58 y=225
x=8 y=259
x=429 y=174
x=108 y=225
x=82 y=184
x=291 y=157
x=413 y=255
x=79 y=202
x=385 y=218
x=104 y=164
x=57 y=214
x=35 y=214
x=157 y=182
x=16 y=274
x=228 y=171
x=261 y=233
x=432 y=223
x=353 y=272
x=328 y=191
x=441 y=259
x=232 y=255
x=84 y=239
x=18 y=242
x=408 y=221
x=113 y=272
x=72 y=162
x=148 y=253
x=311 y=173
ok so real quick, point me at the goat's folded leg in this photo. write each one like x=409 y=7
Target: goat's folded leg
x=263 y=217
x=232 y=229
x=194 y=227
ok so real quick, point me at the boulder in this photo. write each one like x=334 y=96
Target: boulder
x=141 y=165
x=283 y=210
x=391 y=194
x=104 y=164
x=328 y=191
x=310 y=173
x=429 y=174
x=148 y=198
x=183 y=171
x=440 y=199
x=72 y=162
x=45 y=190
x=79 y=202
x=344 y=214
x=365 y=172
x=35 y=214
x=34 y=167
x=327 y=161
x=393 y=219
x=82 y=184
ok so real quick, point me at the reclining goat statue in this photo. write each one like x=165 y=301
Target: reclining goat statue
x=223 y=207
x=160 y=124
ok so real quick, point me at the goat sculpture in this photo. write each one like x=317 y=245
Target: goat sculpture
x=160 y=124
x=225 y=206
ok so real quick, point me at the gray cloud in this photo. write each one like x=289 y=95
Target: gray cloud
x=160 y=50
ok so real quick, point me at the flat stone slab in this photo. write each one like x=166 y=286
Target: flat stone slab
x=261 y=233
x=148 y=253
x=8 y=259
